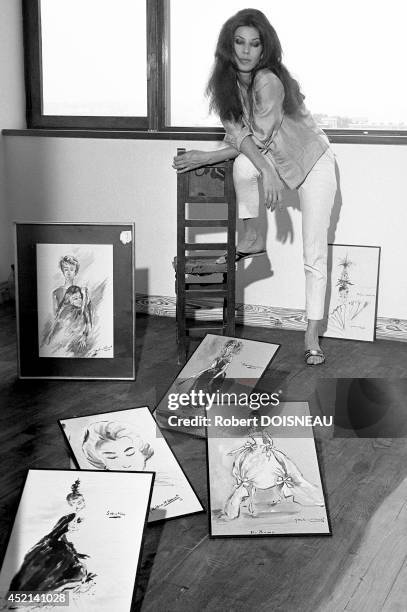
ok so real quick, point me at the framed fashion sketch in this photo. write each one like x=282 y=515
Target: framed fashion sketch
x=75 y=300
x=265 y=481
x=76 y=541
x=220 y=365
x=131 y=440
x=353 y=278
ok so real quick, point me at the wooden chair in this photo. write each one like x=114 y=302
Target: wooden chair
x=199 y=279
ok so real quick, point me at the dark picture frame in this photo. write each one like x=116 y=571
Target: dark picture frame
x=127 y=417
x=104 y=479
x=248 y=380
x=257 y=446
x=117 y=240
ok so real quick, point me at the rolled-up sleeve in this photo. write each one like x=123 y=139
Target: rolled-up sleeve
x=235 y=133
x=267 y=106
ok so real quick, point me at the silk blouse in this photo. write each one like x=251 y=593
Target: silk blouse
x=293 y=143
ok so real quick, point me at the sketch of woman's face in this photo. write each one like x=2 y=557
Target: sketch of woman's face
x=75 y=299
x=121 y=454
x=78 y=503
x=343 y=293
x=69 y=271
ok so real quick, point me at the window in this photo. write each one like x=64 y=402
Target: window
x=87 y=62
x=144 y=64
x=88 y=52
x=349 y=61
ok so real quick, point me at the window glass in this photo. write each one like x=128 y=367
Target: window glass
x=347 y=56
x=94 y=57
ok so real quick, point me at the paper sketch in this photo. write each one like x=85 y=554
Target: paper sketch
x=130 y=440
x=261 y=484
x=220 y=364
x=75 y=300
x=54 y=563
x=79 y=552
x=214 y=376
x=351 y=312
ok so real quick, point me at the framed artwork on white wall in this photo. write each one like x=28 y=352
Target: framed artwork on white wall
x=353 y=277
x=75 y=300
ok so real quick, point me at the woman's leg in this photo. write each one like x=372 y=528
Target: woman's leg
x=245 y=179
x=317 y=194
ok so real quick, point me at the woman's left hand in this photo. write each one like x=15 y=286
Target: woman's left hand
x=190 y=160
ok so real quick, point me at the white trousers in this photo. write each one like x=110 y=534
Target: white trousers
x=316 y=194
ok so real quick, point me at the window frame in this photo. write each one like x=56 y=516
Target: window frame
x=158 y=90
x=33 y=79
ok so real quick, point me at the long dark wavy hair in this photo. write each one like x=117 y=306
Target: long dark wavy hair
x=222 y=88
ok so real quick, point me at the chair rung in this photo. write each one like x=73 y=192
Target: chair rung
x=205 y=246
x=200 y=325
x=206 y=200
x=206 y=292
x=206 y=222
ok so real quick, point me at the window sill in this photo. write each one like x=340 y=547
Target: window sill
x=355 y=137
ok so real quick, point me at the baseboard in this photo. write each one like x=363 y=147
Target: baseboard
x=260 y=316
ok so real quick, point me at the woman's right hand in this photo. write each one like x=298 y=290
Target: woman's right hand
x=190 y=160
x=273 y=188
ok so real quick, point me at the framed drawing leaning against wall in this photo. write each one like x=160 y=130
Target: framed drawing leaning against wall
x=75 y=300
x=353 y=280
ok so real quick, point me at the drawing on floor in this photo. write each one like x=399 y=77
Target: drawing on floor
x=75 y=300
x=220 y=364
x=354 y=281
x=264 y=485
x=54 y=563
x=131 y=440
x=65 y=524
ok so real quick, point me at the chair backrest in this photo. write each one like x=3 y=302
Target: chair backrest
x=210 y=185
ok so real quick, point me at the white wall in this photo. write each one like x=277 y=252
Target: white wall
x=56 y=179
x=12 y=106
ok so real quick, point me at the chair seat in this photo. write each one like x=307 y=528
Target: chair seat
x=202 y=265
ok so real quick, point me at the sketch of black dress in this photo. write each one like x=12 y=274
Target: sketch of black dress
x=214 y=377
x=261 y=466
x=54 y=564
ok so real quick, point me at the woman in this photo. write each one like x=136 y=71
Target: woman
x=275 y=143
x=54 y=564
x=211 y=379
x=261 y=466
x=109 y=445
x=73 y=323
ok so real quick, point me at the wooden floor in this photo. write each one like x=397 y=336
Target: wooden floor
x=362 y=567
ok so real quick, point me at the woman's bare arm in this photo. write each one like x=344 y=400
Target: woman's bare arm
x=195 y=159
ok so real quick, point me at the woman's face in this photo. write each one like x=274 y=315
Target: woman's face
x=248 y=48
x=121 y=454
x=69 y=271
x=78 y=503
x=76 y=299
